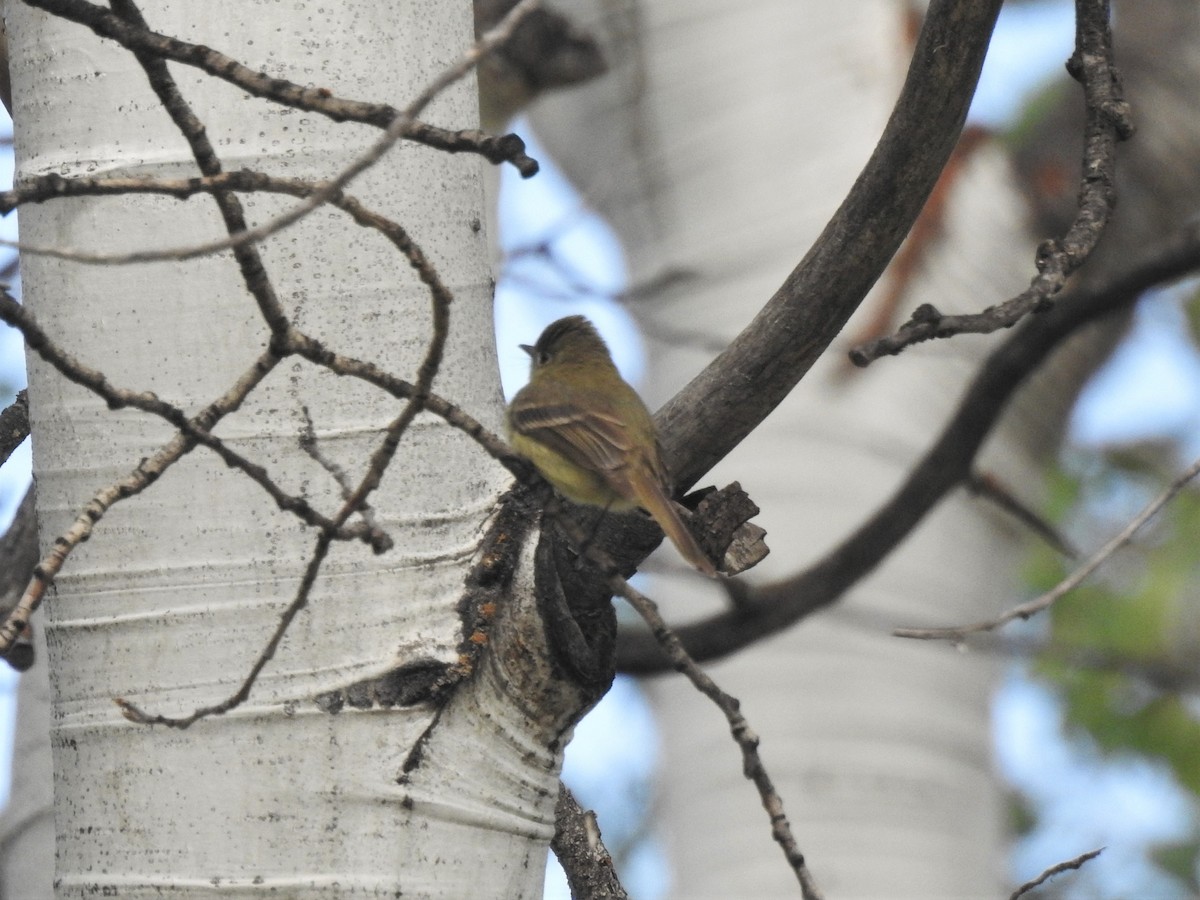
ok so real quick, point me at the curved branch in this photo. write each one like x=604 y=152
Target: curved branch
x=770 y=608
x=726 y=401
x=1107 y=122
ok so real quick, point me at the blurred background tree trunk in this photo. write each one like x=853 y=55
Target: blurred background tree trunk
x=718 y=147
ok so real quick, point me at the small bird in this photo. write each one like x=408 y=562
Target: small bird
x=589 y=434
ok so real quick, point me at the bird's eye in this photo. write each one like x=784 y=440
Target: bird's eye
x=543 y=357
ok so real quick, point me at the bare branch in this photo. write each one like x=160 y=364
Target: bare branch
x=135 y=714
x=1068 y=584
x=356 y=500
x=45 y=187
x=314 y=351
x=726 y=401
x=1107 y=123
x=1067 y=866
x=766 y=609
x=230 y=207
x=196 y=430
x=310 y=445
x=581 y=852
x=505 y=148
x=747 y=739
x=12 y=313
x=144 y=474
x=395 y=131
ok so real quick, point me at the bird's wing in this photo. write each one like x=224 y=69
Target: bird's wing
x=594 y=440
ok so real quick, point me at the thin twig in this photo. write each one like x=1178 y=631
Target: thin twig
x=253 y=274
x=416 y=399
x=1107 y=123
x=745 y=737
x=743 y=734
x=1068 y=584
x=138 y=716
x=311 y=446
x=52 y=185
x=353 y=502
x=356 y=500
x=454 y=415
x=103 y=22
x=194 y=132
x=1056 y=869
x=12 y=313
x=769 y=608
x=395 y=131
x=149 y=470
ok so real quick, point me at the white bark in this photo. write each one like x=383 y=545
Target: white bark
x=718 y=149
x=180 y=587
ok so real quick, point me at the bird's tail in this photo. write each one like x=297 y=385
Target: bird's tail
x=650 y=495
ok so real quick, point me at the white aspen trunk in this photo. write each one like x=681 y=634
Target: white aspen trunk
x=173 y=598
x=718 y=148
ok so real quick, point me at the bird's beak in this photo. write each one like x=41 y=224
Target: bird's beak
x=528 y=349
